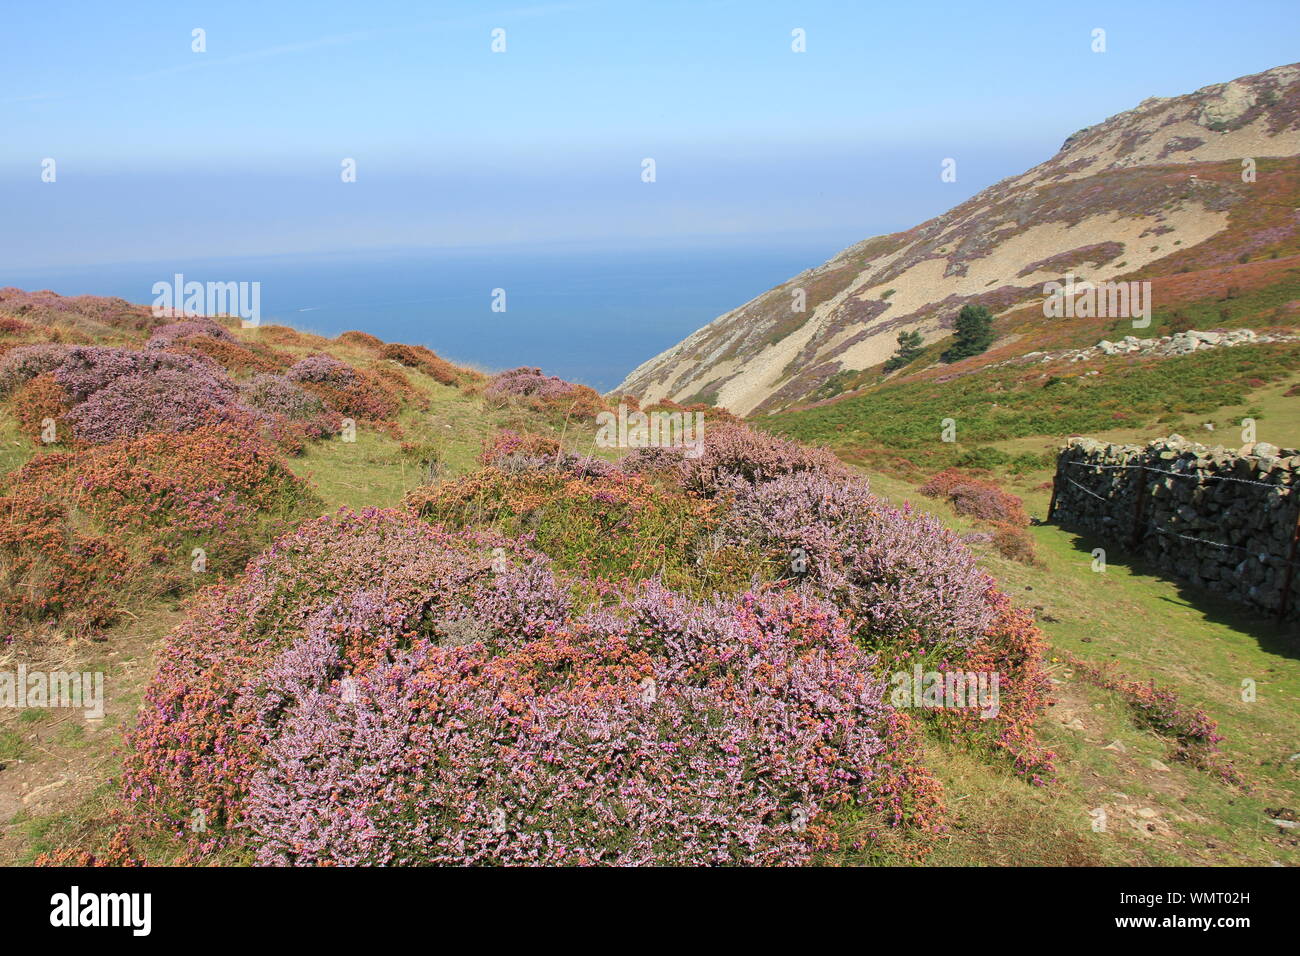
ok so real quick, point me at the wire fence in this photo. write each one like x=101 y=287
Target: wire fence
x=1139 y=525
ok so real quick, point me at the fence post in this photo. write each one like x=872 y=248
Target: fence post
x=1139 y=508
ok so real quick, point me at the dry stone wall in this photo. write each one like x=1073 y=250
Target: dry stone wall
x=1222 y=520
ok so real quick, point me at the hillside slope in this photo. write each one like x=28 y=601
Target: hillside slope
x=449 y=464
x=1157 y=192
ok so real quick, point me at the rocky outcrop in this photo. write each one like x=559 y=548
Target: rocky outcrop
x=1166 y=346
x=1221 y=520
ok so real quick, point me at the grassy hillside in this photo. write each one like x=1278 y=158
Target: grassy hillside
x=473 y=475
x=1013 y=406
x=1160 y=811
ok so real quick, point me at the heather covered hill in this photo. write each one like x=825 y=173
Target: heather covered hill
x=568 y=605
x=531 y=617
x=338 y=557
x=1156 y=193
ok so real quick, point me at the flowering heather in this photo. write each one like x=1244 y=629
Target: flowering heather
x=1194 y=733
x=344 y=388
x=55 y=569
x=514 y=452
x=670 y=732
x=523 y=667
x=655 y=459
x=543 y=393
x=285 y=335
x=423 y=359
x=394 y=379
x=985 y=501
x=531 y=383
x=117 y=853
x=235 y=357
x=976 y=498
x=12 y=326
x=715 y=415
x=277 y=395
x=85 y=370
x=166 y=400
x=25 y=362
x=518 y=602
x=911 y=589
x=122 y=393
x=97 y=310
x=1012 y=647
x=360 y=339
x=1014 y=544
x=505 y=442
x=41 y=398
x=736 y=450
x=373 y=579
x=891 y=570
x=174 y=332
x=323 y=369
x=79 y=533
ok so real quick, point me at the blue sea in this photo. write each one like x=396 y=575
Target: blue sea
x=587 y=314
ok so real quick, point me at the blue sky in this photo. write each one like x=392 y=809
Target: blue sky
x=162 y=151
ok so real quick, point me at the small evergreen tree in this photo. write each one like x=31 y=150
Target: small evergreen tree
x=909 y=347
x=973 y=333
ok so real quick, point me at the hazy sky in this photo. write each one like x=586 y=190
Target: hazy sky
x=162 y=151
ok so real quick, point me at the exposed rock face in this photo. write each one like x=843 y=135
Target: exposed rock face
x=1227 y=105
x=1166 y=346
x=1221 y=520
x=1114 y=200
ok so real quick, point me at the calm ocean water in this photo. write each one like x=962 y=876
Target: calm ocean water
x=587 y=315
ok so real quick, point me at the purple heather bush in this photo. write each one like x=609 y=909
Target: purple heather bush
x=642 y=461
x=323 y=370
x=670 y=733
x=529 y=382
x=174 y=332
x=379 y=691
x=193 y=746
x=124 y=393
x=515 y=604
x=107 y=309
x=586 y=466
x=277 y=395
x=375 y=690
x=892 y=570
x=515 y=453
x=732 y=450
x=86 y=370
x=166 y=400
x=22 y=364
